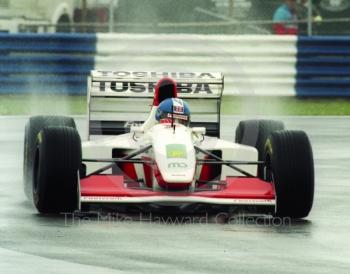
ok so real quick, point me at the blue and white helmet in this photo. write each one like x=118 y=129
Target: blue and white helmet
x=173 y=109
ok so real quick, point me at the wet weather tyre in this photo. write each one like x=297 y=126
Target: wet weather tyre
x=32 y=128
x=291 y=169
x=56 y=167
x=254 y=133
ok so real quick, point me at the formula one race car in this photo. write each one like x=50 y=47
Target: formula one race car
x=169 y=157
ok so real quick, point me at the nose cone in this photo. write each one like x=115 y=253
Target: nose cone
x=174 y=153
x=165 y=88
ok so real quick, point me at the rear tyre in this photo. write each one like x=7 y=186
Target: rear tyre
x=254 y=133
x=56 y=167
x=290 y=167
x=32 y=128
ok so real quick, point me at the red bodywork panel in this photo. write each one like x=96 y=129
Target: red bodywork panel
x=237 y=187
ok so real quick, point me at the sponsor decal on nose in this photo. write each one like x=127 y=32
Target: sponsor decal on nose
x=177 y=165
x=176 y=151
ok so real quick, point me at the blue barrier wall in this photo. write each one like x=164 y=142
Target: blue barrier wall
x=323 y=66
x=43 y=63
x=252 y=64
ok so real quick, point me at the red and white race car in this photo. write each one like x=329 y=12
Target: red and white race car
x=133 y=160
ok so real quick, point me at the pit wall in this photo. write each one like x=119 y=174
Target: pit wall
x=252 y=64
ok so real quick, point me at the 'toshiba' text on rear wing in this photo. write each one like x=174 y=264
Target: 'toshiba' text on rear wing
x=119 y=99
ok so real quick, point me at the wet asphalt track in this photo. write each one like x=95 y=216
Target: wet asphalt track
x=30 y=243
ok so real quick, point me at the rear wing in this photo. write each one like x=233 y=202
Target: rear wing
x=118 y=100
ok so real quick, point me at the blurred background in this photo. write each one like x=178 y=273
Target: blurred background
x=313 y=17
x=49 y=47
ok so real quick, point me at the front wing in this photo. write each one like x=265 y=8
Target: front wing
x=112 y=189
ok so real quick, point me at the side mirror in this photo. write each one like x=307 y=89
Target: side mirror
x=199 y=130
x=137 y=130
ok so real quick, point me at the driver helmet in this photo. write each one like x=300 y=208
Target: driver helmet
x=173 y=110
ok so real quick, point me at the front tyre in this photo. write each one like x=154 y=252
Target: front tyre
x=290 y=167
x=56 y=167
x=32 y=128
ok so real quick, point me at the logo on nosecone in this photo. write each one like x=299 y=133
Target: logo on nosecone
x=177 y=165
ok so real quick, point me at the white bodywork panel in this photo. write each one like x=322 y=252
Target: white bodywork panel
x=159 y=138
x=102 y=148
x=173 y=152
x=232 y=152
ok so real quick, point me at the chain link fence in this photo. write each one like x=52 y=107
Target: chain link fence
x=309 y=17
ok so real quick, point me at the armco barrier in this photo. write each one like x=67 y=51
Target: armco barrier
x=252 y=64
x=45 y=63
x=323 y=66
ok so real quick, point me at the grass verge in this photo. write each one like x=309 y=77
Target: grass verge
x=286 y=106
x=64 y=104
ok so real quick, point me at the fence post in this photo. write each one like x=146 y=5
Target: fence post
x=309 y=18
x=111 y=16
